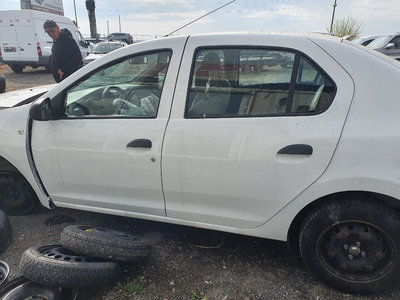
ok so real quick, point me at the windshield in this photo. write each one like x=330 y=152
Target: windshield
x=105 y=48
x=379 y=42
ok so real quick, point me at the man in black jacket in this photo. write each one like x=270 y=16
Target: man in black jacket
x=66 y=56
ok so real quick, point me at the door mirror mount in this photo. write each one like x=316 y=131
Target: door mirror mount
x=42 y=110
x=390 y=46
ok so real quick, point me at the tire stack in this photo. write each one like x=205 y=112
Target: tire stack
x=88 y=256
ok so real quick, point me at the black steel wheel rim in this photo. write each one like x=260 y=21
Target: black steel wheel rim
x=58 y=252
x=356 y=251
x=105 y=232
x=23 y=288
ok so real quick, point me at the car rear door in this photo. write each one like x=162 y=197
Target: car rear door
x=239 y=166
x=26 y=39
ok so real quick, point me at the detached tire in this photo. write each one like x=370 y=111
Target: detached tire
x=353 y=244
x=54 y=265
x=16 y=195
x=5 y=231
x=104 y=243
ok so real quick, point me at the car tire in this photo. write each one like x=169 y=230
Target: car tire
x=17 y=68
x=2 y=83
x=23 y=288
x=48 y=66
x=5 y=231
x=54 y=265
x=16 y=195
x=353 y=244
x=104 y=243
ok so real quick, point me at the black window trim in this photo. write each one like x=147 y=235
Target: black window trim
x=298 y=54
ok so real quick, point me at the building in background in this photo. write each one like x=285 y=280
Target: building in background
x=50 y=6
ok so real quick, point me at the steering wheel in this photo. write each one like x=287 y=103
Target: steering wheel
x=77 y=109
x=112 y=92
x=123 y=107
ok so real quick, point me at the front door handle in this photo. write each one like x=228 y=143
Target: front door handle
x=297 y=149
x=139 y=143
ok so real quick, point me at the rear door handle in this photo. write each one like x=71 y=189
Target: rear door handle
x=297 y=149
x=139 y=143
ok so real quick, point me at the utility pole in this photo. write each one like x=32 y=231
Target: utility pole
x=333 y=15
x=119 y=19
x=76 y=18
x=90 y=6
x=108 y=28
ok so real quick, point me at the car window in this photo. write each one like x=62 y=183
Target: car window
x=80 y=39
x=130 y=88
x=396 y=42
x=105 y=48
x=256 y=82
x=314 y=91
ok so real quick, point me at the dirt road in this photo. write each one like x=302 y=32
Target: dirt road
x=28 y=78
x=185 y=263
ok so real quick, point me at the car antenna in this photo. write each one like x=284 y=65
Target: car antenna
x=200 y=17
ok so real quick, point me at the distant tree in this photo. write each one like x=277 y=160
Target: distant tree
x=347 y=27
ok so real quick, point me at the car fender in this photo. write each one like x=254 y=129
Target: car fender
x=14 y=145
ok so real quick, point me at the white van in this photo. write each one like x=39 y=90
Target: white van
x=23 y=41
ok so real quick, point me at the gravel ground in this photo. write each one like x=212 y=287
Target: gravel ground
x=185 y=263
x=28 y=78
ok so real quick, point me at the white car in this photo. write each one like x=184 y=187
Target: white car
x=281 y=136
x=101 y=49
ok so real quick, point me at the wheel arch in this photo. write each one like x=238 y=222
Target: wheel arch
x=6 y=166
x=294 y=229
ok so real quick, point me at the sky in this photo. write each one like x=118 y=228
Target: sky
x=155 y=18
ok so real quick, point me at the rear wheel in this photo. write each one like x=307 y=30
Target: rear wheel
x=353 y=244
x=17 y=68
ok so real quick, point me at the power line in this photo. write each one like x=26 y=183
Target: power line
x=200 y=17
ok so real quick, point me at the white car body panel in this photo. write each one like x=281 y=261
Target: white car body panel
x=13 y=133
x=15 y=97
x=221 y=174
x=233 y=162
x=131 y=177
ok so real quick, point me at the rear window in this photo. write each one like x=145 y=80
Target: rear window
x=236 y=82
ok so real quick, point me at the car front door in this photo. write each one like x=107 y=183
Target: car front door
x=255 y=123
x=104 y=153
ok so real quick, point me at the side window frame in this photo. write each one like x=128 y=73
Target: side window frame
x=292 y=85
x=60 y=101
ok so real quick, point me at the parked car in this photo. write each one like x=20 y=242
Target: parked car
x=365 y=40
x=180 y=130
x=103 y=48
x=120 y=36
x=387 y=44
x=95 y=40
